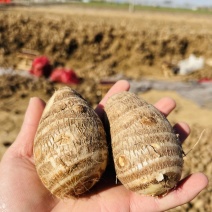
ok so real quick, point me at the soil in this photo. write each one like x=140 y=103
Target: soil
x=102 y=43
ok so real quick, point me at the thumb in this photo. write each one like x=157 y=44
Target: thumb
x=23 y=145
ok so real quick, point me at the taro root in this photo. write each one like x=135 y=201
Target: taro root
x=147 y=154
x=70 y=149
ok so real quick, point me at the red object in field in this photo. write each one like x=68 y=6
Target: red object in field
x=205 y=80
x=5 y=1
x=66 y=76
x=41 y=67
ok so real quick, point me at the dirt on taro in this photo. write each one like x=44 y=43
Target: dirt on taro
x=100 y=43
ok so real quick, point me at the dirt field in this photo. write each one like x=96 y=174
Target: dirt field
x=102 y=43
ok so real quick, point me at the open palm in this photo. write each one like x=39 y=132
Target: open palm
x=21 y=189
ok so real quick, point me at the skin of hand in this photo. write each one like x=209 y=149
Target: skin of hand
x=21 y=189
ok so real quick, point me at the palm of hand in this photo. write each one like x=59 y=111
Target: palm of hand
x=22 y=190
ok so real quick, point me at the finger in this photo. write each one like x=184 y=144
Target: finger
x=23 y=144
x=119 y=86
x=186 y=190
x=165 y=105
x=183 y=130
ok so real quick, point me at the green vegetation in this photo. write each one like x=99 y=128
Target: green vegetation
x=125 y=6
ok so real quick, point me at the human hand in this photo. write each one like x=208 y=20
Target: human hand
x=21 y=189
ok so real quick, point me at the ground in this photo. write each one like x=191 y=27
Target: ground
x=99 y=43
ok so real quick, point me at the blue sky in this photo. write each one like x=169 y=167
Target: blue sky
x=191 y=3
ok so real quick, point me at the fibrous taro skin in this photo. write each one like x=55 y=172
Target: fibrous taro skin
x=147 y=154
x=70 y=149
